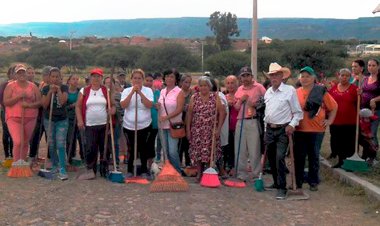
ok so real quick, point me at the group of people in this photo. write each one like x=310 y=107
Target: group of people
x=238 y=126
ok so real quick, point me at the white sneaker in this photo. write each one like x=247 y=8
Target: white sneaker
x=63 y=176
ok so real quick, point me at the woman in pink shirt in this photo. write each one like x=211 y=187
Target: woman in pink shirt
x=172 y=98
x=21 y=99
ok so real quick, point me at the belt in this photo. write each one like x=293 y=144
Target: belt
x=277 y=126
x=253 y=117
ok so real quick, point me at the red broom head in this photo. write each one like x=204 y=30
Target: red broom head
x=234 y=183
x=169 y=184
x=20 y=169
x=210 y=178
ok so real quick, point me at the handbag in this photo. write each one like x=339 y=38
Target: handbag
x=177 y=130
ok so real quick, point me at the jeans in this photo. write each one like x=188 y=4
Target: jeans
x=72 y=137
x=57 y=143
x=307 y=144
x=7 y=139
x=374 y=125
x=171 y=145
x=276 y=142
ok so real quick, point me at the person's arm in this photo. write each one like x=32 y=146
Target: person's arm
x=222 y=115
x=296 y=110
x=144 y=100
x=373 y=102
x=78 y=111
x=189 y=117
x=8 y=99
x=46 y=97
x=179 y=108
x=124 y=103
x=37 y=102
x=332 y=108
x=62 y=95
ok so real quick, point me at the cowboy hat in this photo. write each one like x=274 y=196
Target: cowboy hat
x=275 y=67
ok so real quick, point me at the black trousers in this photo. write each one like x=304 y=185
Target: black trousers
x=229 y=151
x=72 y=138
x=276 y=142
x=94 y=145
x=183 y=149
x=142 y=148
x=7 y=139
x=342 y=141
x=150 y=142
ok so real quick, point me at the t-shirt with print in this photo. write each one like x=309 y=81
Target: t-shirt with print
x=59 y=111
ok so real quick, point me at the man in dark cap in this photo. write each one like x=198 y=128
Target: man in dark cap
x=247 y=96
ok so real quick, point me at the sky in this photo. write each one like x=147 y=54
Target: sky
x=21 y=11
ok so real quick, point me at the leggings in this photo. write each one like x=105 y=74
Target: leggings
x=14 y=125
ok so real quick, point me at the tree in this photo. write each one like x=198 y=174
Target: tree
x=227 y=63
x=224 y=26
x=168 y=56
x=123 y=57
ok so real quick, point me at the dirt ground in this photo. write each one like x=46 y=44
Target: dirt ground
x=37 y=201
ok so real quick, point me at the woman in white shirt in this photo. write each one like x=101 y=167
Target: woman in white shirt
x=144 y=118
x=91 y=111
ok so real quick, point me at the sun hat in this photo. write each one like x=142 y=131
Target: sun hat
x=275 y=67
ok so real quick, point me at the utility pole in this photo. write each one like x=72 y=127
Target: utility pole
x=254 y=41
x=71 y=37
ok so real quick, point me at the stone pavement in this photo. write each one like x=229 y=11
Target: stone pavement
x=36 y=201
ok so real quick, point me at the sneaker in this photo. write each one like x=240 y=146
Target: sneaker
x=313 y=187
x=63 y=176
x=281 y=194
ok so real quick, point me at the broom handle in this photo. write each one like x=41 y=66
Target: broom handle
x=357 y=126
x=213 y=141
x=241 y=131
x=291 y=150
x=111 y=130
x=22 y=126
x=135 y=140
x=49 y=125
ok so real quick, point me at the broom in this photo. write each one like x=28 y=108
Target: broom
x=135 y=179
x=114 y=176
x=294 y=193
x=169 y=180
x=259 y=183
x=21 y=168
x=355 y=163
x=44 y=172
x=210 y=176
x=235 y=182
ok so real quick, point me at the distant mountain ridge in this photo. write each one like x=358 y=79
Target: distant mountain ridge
x=195 y=27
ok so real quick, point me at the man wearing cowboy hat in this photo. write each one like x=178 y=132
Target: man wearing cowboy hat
x=282 y=114
x=246 y=98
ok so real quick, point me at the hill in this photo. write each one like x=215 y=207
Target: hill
x=188 y=27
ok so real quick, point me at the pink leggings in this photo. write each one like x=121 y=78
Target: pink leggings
x=14 y=126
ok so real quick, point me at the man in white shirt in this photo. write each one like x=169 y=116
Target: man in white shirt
x=282 y=114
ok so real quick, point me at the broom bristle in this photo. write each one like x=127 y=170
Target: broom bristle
x=20 y=169
x=234 y=183
x=355 y=166
x=210 y=178
x=169 y=180
x=7 y=163
x=136 y=180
